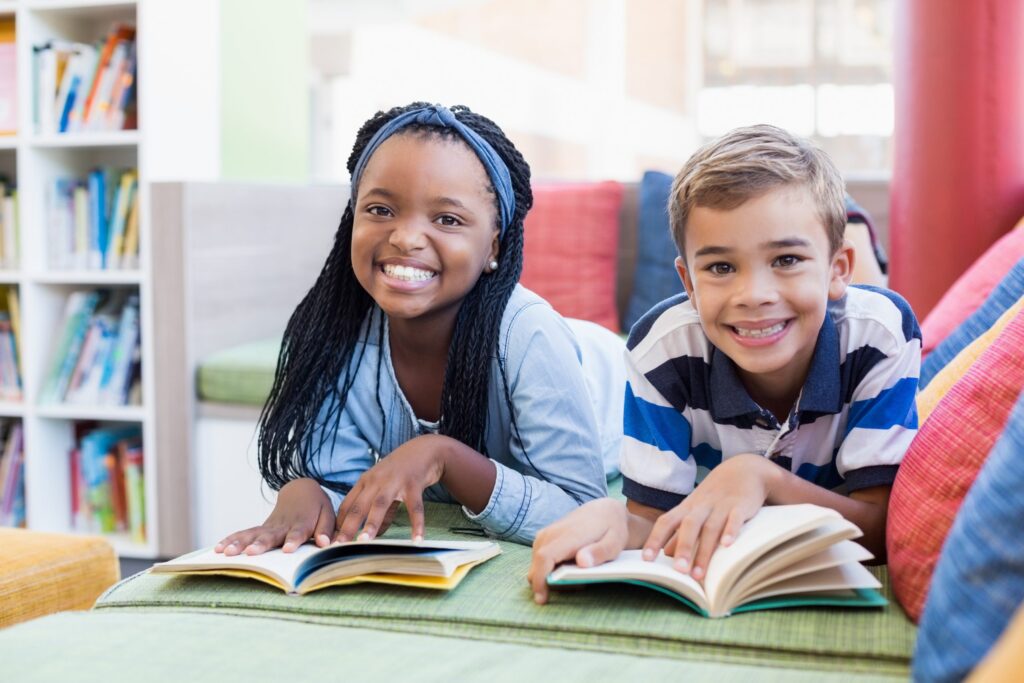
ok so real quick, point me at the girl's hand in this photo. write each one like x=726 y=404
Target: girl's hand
x=401 y=476
x=593 y=534
x=303 y=511
x=731 y=494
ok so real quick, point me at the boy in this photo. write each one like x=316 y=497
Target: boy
x=768 y=382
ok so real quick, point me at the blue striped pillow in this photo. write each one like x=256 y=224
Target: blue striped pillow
x=979 y=579
x=1006 y=294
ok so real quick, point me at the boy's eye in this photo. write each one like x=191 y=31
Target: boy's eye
x=377 y=210
x=787 y=261
x=719 y=269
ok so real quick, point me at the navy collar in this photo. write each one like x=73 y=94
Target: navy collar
x=820 y=393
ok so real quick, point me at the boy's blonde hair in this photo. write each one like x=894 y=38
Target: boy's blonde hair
x=747 y=162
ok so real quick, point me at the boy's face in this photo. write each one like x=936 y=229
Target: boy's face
x=760 y=277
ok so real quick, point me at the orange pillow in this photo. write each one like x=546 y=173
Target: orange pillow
x=943 y=461
x=571 y=249
x=972 y=288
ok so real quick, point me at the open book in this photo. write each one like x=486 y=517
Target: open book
x=785 y=555
x=423 y=564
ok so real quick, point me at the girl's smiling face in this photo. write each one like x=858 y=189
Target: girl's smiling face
x=424 y=226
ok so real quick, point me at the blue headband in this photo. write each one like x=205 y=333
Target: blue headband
x=442 y=117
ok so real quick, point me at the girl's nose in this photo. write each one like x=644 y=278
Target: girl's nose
x=407 y=235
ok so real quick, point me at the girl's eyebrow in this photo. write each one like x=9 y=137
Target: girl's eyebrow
x=380 y=192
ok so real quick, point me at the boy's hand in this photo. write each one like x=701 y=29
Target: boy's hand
x=731 y=494
x=401 y=476
x=593 y=533
x=302 y=511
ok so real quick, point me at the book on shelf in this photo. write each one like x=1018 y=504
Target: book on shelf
x=107 y=481
x=12 y=470
x=96 y=360
x=422 y=564
x=8 y=78
x=10 y=344
x=91 y=223
x=81 y=86
x=9 y=236
x=785 y=556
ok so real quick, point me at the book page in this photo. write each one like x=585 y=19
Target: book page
x=770 y=527
x=847 y=576
x=630 y=566
x=841 y=553
x=276 y=564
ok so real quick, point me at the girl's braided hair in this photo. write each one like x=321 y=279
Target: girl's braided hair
x=318 y=360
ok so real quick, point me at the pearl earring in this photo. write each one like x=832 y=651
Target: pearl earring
x=493 y=265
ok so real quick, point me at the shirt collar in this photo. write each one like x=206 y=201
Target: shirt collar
x=821 y=390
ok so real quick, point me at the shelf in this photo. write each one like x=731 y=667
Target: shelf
x=8 y=141
x=63 y=411
x=69 y=6
x=88 y=277
x=118 y=138
x=12 y=409
x=9 y=277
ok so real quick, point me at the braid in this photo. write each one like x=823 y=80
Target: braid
x=316 y=367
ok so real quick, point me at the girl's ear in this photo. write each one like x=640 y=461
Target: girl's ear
x=684 y=275
x=842 y=271
x=493 y=257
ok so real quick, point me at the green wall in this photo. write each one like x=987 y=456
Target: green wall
x=264 y=90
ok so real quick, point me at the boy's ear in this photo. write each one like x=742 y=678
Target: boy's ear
x=842 y=270
x=684 y=275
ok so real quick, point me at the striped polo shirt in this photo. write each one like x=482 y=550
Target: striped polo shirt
x=686 y=408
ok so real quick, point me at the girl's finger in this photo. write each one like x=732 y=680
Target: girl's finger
x=266 y=539
x=417 y=519
x=351 y=515
x=324 y=527
x=375 y=515
x=709 y=537
x=233 y=544
x=296 y=536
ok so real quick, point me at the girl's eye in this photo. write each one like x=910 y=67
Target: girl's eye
x=787 y=261
x=719 y=269
x=449 y=221
x=377 y=210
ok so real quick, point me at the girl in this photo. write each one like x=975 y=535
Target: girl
x=416 y=366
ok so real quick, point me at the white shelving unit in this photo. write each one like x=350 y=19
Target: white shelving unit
x=33 y=162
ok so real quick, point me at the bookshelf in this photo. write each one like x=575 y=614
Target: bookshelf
x=34 y=161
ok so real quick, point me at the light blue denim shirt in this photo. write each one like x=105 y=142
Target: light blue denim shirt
x=569 y=425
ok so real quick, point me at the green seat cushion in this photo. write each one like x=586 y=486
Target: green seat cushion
x=180 y=646
x=242 y=374
x=494 y=603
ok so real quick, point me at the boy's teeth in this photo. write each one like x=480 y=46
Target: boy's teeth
x=407 y=273
x=762 y=332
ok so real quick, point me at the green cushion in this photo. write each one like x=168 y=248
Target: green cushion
x=180 y=646
x=242 y=374
x=494 y=603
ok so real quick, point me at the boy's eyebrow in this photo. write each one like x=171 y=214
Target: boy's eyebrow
x=786 y=243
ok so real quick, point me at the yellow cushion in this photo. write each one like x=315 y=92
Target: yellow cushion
x=958 y=367
x=42 y=573
x=1006 y=659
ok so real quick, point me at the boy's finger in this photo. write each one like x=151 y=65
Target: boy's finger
x=417 y=519
x=662 y=530
x=607 y=548
x=733 y=526
x=323 y=529
x=686 y=541
x=709 y=537
x=540 y=566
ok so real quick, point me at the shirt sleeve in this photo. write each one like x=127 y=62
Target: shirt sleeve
x=882 y=420
x=338 y=453
x=657 y=467
x=554 y=441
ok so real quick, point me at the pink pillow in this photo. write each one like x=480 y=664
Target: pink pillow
x=972 y=288
x=570 y=255
x=943 y=461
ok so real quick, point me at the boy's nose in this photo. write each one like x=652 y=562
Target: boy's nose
x=757 y=289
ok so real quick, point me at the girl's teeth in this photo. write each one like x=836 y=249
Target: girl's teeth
x=763 y=332
x=407 y=273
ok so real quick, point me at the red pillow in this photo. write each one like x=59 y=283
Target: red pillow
x=943 y=461
x=570 y=255
x=972 y=288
